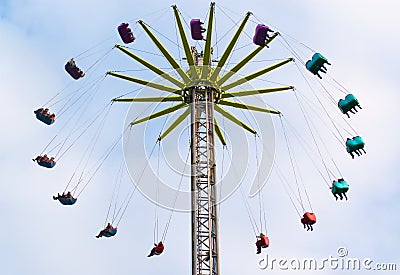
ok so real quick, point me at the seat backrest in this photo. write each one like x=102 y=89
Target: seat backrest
x=260 y=35
x=311 y=218
x=319 y=60
x=159 y=249
x=196 y=29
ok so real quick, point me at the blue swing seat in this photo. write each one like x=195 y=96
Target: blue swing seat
x=110 y=232
x=356 y=143
x=67 y=201
x=45 y=119
x=316 y=63
x=348 y=103
x=340 y=187
x=47 y=164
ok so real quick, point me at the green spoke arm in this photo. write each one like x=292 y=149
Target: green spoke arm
x=165 y=52
x=230 y=47
x=160 y=113
x=256 y=74
x=185 y=42
x=207 y=50
x=149 y=99
x=219 y=133
x=256 y=92
x=248 y=107
x=146 y=83
x=151 y=67
x=234 y=119
x=245 y=60
x=175 y=124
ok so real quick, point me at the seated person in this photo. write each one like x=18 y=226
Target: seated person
x=308 y=220
x=105 y=230
x=157 y=249
x=262 y=242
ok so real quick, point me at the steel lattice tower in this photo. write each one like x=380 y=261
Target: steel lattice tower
x=203 y=183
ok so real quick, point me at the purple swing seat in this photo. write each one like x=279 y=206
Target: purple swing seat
x=261 y=35
x=126 y=33
x=73 y=70
x=196 y=29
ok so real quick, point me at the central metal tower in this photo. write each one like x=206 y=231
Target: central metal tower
x=203 y=183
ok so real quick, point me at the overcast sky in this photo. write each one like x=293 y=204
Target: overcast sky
x=39 y=236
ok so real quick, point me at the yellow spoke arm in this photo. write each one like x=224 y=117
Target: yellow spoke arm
x=234 y=119
x=165 y=52
x=207 y=49
x=256 y=92
x=160 y=113
x=230 y=47
x=151 y=66
x=175 y=124
x=245 y=60
x=219 y=133
x=256 y=74
x=149 y=99
x=248 y=107
x=185 y=42
x=146 y=83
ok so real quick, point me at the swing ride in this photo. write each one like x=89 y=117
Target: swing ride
x=202 y=92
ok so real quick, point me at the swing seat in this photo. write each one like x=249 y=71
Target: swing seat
x=126 y=33
x=340 y=187
x=45 y=119
x=345 y=105
x=47 y=164
x=67 y=201
x=196 y=29
x=356 y=143
x=73 y=70
x=158 y=250
x=309 y=218
x=263 y=242
x=260 y=35
x=111 y=232
x=316 y=62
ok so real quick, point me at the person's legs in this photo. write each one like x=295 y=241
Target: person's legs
x=153 y=250
x=100 y=234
